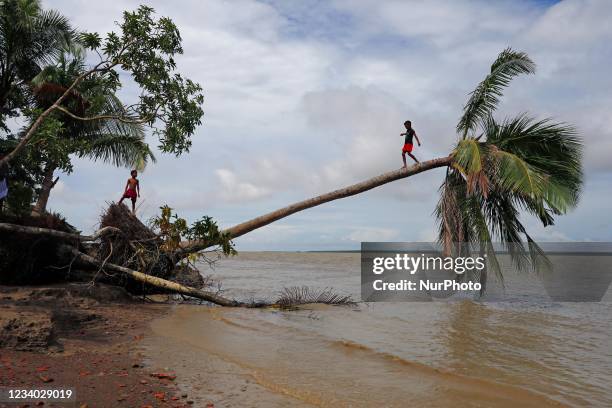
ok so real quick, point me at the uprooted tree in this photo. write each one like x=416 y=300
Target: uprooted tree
x=496 y=170
x=162 y=255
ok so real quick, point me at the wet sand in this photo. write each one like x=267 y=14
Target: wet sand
x=209 y=378
x=237 y=365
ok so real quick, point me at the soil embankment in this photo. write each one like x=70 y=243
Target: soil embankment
x=88 y=339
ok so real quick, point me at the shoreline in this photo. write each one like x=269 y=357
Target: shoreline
x=224 y=382
x=69 y=336
x=211 y=364
x=107 y=345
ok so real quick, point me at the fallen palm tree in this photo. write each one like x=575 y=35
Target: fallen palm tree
x=238 y=230
x=154 y=258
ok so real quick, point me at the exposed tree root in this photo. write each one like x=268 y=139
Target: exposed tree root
x=290 y=297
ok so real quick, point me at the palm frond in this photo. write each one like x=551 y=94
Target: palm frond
x=469 y=155
x=448 y=212
x=485 y=98
x=110 y=140
x=516 y=175
x=478 y=221
x=539 y=260
x=552 y=152
x=122 y=150
x=469 y=158
x=51 y=35
x=462 y=221
x=502 y=217
x=301 y=295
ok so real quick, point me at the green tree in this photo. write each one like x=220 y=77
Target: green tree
x=145 y=48
x=504 y=168
x=30 y=38
x=109 y=140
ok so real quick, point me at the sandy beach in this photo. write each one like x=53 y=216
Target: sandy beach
x=88 y=340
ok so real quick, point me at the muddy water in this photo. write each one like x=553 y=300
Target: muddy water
x=515 y=353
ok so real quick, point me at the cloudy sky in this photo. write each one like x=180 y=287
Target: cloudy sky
x=307 y=96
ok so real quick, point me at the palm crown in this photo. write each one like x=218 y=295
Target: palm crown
x=30 y=38
x=503 y=168
x=109 y=140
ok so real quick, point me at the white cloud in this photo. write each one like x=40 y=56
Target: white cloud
x=304 y=97
x=233 y=190
x=572 y=25
x=370 y=234
x=442 y=24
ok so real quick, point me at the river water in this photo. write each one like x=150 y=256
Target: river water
x=519 y=352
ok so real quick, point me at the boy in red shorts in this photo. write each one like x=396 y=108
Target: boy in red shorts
x=132 y=190
x=410 y=133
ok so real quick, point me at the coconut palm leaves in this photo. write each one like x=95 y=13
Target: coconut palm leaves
x=31 y=35
x=485 y=98
x=30 y=38
x=111 y=140
x=503 y=169
x=120 y=149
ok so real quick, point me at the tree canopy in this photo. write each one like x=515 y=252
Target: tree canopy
x=144 y=47
x=30 y=38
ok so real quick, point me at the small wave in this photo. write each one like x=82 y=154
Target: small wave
x=217 y=316
x=347 y=344
x=482 y=386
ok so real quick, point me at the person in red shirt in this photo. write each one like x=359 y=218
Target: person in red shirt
x=132 y=190
x=410 y=134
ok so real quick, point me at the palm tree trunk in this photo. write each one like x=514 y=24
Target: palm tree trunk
x=43 y=197
x=258 y=222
